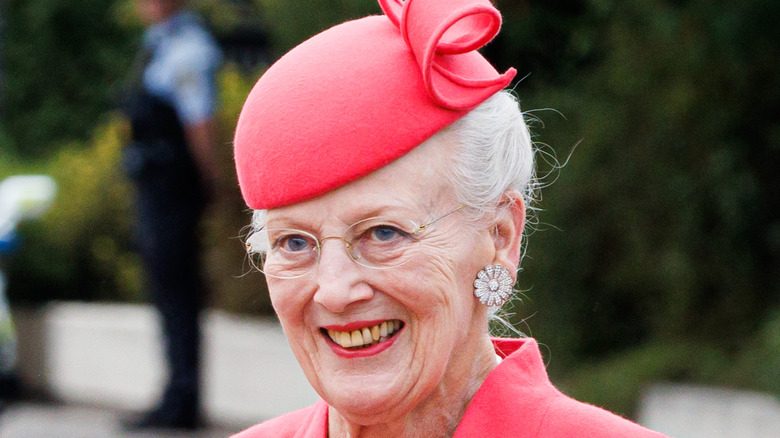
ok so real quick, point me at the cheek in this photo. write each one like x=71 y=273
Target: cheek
x=286 y=301
x=290 y=302
x=446 y=277
x=441 y=289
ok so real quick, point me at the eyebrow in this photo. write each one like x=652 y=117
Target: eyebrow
x=294 y=223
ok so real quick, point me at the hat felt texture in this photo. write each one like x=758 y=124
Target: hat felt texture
x=361 y=94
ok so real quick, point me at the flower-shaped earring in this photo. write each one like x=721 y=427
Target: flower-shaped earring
x=493 y=286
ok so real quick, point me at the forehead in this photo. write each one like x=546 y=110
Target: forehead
x=416 y=182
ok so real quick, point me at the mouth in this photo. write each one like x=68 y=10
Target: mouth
x=364 y=337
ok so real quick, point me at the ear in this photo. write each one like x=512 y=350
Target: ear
x=507 y=231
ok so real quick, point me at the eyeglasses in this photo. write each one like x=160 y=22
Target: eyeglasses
x=381 y=242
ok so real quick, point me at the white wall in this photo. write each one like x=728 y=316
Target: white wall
x=110 y=354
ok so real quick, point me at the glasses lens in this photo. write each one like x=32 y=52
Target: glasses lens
x=283 y=253
x=382 y=242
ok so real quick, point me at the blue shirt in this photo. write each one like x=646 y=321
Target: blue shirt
x=183 y=65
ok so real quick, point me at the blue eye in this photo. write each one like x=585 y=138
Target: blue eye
x=294 y=243
x=385 y=233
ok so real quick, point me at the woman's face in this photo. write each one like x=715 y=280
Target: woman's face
x=442 y=326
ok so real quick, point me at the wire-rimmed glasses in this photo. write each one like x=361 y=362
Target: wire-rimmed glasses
x=381 y=242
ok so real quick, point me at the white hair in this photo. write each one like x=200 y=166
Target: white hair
x=495 y=155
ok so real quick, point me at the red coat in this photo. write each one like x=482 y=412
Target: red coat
x=516 y=400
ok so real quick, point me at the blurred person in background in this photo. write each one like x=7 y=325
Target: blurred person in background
x=390 y=176
x=171 y=101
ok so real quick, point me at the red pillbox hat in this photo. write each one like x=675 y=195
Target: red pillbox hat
x=361 y=94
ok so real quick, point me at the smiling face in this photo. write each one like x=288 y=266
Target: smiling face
x=437 y=329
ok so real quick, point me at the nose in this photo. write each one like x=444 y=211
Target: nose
x=339 y=279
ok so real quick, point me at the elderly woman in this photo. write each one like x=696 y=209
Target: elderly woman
x=390 y=177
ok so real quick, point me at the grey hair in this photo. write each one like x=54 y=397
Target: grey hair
x=495 y=156
x=258 y=220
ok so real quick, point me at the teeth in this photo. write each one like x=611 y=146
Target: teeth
x=357 y=338
x=366 y=336
x=346 y=340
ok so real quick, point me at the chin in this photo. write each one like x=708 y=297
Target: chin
x=370 y=402
x=369 y=411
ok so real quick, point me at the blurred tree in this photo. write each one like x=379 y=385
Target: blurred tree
x=668 y=209
x=289 y=23
x=2 y=45
x=61 y=58
x=82 y=248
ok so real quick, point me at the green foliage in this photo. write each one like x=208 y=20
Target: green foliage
x=618 y=381
x=234 y=285
x=663 y=222
x=758 y=365
x=291 y=22
x=81 y=248
x=60 y=60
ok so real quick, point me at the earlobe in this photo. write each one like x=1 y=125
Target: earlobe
x=507 y=230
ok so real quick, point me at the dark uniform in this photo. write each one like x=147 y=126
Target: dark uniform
x=175 y=88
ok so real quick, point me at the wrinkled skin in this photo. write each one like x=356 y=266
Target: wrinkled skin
x=421 y=385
